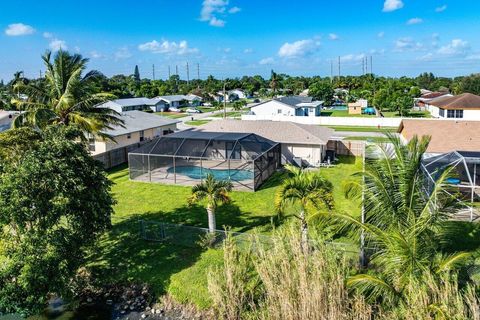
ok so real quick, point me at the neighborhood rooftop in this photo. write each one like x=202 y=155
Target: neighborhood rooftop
x=462 y=101
x=298 y=101
x=138 y=121
x=446 y=135
x=279 y=131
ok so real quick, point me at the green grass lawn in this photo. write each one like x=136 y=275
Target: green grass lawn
x=196 y=122
x=411 y=114
x=369 y=139
x=179 y=270
x=363 y=129
x=172 y=115
x=344 y=113
x=230 y=114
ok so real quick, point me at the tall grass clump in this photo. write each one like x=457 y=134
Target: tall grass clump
x=278 y=280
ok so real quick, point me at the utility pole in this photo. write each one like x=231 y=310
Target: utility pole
x=363 y=66
x=40 y=74
x=339 y=68
x=331 y=71
x=176 y=70
x=371 y=65
x=224 y=101
x=188 y=74
x=366 y=64
x=153 y=71
x=198 y=71
x=169 y=75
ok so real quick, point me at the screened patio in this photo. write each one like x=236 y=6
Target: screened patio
x=463 y=181
x=186 y=157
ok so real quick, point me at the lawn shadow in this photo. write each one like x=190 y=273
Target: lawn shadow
x=346 y=159
x=326 y=113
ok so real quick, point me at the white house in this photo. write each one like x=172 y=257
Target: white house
x=236 y=94
x=465 y=106
x=6 y=119
x=289 y=106
x=130 y=104
x=138 y=126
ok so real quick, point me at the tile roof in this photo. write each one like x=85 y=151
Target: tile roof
x=462 y=101
x=138 y=121
x=446 y=135
x=432 y=95
x=279 y=131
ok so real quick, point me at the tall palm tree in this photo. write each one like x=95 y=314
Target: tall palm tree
x=65 y=97
x=274 y=83
x=214 y=192
x=305 y=189
x=404 y=224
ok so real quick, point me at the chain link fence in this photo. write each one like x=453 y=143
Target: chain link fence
x=190 y=236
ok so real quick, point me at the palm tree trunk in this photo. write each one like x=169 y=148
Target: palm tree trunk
x=304 y=230
x=212 y=224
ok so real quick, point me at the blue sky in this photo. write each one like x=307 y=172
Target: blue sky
x=233 y=37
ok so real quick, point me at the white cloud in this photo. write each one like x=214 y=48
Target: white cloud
x=441 y=9
x=381 y=34
x=392 y=5
x=265 y=61
x=234 y=10
x=407 y=44
x=352 y=57
x=167 y=47
x=96 y=55
x=47 y=35
x=248 y=50
x=212 y=9
x=298 y=48
x=227 y=50
x=414 y=21
x=333 y=36
x=122 y=53
x=426 y=57
x=19 y=29
x=475 y=56
x=455 y=47
x=57 y=44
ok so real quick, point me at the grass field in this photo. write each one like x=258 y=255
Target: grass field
x=344 y=113
x=369 y=139
x=411 y=114
x=172 y=115
x=196 y=122
x=230 y=114
x=178 y=270
x=363 y=129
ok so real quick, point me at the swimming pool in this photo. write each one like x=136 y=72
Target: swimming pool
x=342 y=108
x=195 y=172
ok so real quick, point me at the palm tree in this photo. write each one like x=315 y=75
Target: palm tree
x=215 y=192
x=305 y=189
x=65 y=97
x=404 y=224
x=274 y=83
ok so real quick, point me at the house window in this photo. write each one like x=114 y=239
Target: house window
x=129 y=135
x=458 y=113
x=442 y=113
x=450 y=113
x=279 y=111
x=455 y=114
x=142 y=135
x=91 y=142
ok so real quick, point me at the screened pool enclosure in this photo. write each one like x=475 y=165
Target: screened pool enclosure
x=187 y=157
x=462 y=181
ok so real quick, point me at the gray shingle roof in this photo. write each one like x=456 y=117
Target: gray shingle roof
x=278 y=131
x=135 y=102
x=137 y=121
x=294 y=100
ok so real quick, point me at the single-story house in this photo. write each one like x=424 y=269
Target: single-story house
x=300 y=143
x=289 y=106
x=464 y=106
x=130 y=104
x=138 y=126
x=238 y=93
x=428 y=96
x=179 y=100
x=446 y=135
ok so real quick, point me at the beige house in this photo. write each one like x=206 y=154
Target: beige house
x=299 y=142
x=139 y=127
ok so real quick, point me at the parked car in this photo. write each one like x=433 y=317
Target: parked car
x=256 y=100
x=207 y=104
x=193 y=110
x=174 y=109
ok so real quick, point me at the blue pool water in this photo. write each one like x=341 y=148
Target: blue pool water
x=339 y=108
x=195 y=172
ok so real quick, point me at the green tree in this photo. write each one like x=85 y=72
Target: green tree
x=306 y=189
x=54 y=203
x=322 y=91
x=405 y=225
x=66 y=97
x=136 y=74
x=214 y=192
